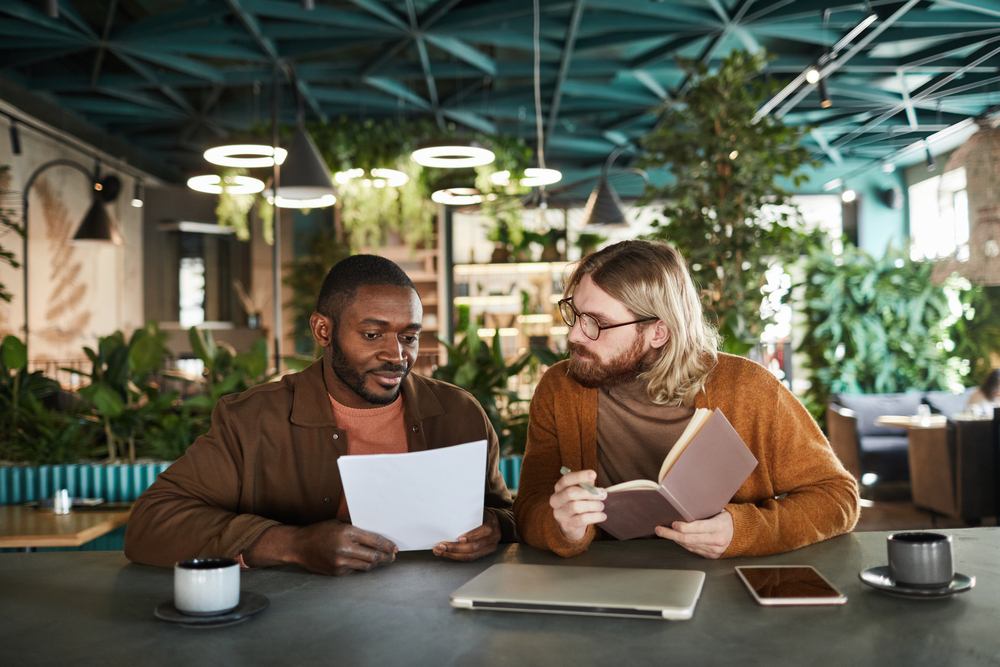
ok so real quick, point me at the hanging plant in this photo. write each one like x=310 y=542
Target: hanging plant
x=372 y=209
x=233 y=209
x=371 y=214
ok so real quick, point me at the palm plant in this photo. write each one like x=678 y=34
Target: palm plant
x=479 y=368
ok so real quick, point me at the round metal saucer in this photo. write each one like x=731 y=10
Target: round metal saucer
x=878 y=577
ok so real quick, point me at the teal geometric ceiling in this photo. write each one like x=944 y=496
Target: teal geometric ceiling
x=170 y=77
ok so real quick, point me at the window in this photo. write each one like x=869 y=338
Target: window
x=939 y=216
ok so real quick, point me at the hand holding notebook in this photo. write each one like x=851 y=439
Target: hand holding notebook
x=699 y=475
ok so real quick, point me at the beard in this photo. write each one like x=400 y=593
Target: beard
x=357 y=381
x=595 y=373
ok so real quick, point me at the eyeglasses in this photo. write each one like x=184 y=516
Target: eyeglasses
x=588 y=323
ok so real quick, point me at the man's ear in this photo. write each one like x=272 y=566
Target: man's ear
x=659 y=334
x=322 y=329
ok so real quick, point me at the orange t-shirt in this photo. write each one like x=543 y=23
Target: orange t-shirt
x=370 y=431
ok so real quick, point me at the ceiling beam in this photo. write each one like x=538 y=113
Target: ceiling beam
x=425 y=61
x=922 y=94
x=102 y=45
x=830 y=67
x=253 y=27
x=376 y=8
x=168 y=91
x=831 y=152
x=564 y=62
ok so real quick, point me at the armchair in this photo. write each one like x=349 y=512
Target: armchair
x=862 y=445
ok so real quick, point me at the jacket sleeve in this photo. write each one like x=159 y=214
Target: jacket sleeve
x=540 y=472
x=497 y=499
x=190 y=511
x=800 y=492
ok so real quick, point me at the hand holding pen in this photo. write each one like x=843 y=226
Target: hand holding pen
x=576 y=503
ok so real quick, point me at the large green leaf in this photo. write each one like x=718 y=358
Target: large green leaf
x=145 y=354
x=254 y=362
x=107 y=401
x=14 y=353
x=203 y=347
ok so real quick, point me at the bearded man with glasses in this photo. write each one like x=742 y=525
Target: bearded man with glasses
x=642 y=359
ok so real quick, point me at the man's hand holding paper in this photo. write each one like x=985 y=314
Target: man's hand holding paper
x=422 y=500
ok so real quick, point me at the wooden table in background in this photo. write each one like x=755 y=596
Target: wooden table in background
x=953 y=464
x=28 y=527
x=912 y=421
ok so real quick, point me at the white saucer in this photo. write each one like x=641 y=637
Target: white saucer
x=250 y=604
x=878 y=577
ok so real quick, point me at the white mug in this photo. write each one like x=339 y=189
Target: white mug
x=206 y=586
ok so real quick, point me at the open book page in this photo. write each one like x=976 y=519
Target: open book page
x=634 y=484
x=700 y=417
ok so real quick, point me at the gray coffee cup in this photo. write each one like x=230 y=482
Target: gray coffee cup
x=920 y=559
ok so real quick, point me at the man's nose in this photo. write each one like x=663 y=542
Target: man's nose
x=576 y=334
x=392 y=350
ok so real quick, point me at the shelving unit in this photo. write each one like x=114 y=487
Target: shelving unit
x=519 y=298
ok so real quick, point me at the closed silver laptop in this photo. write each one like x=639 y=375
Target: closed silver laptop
x=591 y=591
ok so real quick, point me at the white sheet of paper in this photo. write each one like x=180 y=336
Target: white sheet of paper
x=417 y=499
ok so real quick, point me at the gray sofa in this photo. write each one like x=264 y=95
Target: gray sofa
x=863 y=446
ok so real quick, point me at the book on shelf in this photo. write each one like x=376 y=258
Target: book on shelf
x=699 y=475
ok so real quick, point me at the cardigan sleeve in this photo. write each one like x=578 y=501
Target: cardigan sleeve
x=544 y=455
x=800 y=493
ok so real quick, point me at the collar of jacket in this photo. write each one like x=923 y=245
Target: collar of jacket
x=311 y=403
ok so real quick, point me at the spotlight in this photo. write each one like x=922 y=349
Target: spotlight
x=824 y=97
x=812 y=75
x=888 y=167
x=848 y=196
x=931 y=165
x=15 y=138
x=137 y=195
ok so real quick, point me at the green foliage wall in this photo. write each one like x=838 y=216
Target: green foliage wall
x=877 y=326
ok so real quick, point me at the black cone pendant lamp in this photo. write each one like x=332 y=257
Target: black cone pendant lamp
x=97 y=225
x=604 y=206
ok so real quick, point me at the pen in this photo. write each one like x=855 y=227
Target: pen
x=565 y=471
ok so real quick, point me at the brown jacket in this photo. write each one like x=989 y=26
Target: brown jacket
x=270 y=458
x=819 y=499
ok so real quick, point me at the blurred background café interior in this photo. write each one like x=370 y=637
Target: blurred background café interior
x=176 y=177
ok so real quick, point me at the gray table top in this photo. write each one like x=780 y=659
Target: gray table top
x=96 y=608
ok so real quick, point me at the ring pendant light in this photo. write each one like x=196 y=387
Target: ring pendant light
x=453 y=156
x=234 y=185
x=246 y=156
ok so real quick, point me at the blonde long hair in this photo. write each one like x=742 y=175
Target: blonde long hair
x=651 y=279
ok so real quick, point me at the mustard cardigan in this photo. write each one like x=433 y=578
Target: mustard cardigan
x=798 y=494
